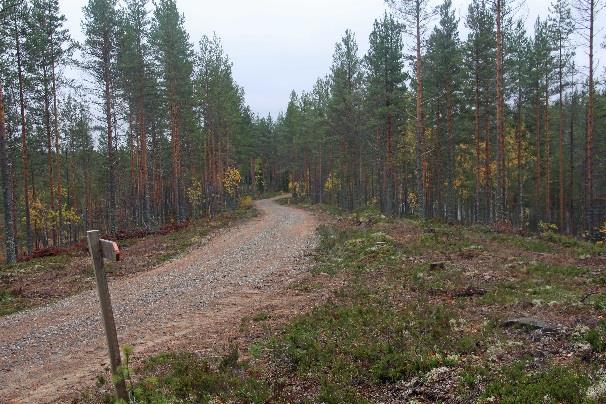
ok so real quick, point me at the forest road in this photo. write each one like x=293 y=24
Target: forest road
x=194 y=302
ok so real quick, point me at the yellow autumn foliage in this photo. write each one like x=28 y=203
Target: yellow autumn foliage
x=547 y=228
x=246 y=202
x=332 y=183
x=231 y=181
x=43 y=218
x=195 y=195
x=294 y=187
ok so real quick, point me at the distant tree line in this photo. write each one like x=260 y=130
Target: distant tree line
x=500 y=127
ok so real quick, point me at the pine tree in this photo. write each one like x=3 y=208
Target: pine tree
x=416 y=14
x=562 y=28
x=224 y=119
x=174 y=61
x=385 y=92
x=444 y=60
x=481 y=51
x=589 y=11
x=6 y=8
x=20 y=14
x=7 y=188
x=48 y=47
x=133 y=64
x=344 y=116
x=519 y=78
x=542 y=75
x=500 y=101
x=100 y=27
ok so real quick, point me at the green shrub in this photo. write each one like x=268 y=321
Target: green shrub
x=596 y=337
x=370 y=342
x=555 y=384
x=185 y=377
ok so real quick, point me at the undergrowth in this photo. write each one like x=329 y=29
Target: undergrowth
x=181 y=377
x=399 y=329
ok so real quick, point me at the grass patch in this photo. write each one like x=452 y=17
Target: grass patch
x=439 y=237
x=262 y=316
x=184 y=377
x=579 y=247
x=550 y=242
x=596 y=337
x=369 y=342
x=534 y=291
x=305 y=286
x=37 y=264
x=530 y=244
x=547 y=271
x=353 y=249
x=9 y=303
x=518 y=383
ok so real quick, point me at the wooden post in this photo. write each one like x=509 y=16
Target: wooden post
x=99 y=250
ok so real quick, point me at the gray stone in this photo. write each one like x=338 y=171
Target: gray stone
x=530 y=323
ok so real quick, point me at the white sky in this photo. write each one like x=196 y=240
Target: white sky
x=280 y=45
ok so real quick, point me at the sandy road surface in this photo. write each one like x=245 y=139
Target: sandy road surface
x=47 y=352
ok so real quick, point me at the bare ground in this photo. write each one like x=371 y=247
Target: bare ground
x=195 y=302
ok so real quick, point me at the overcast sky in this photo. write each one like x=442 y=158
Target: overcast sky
x=280 y=45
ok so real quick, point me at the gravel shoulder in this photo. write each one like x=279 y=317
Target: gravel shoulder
x=47 y=354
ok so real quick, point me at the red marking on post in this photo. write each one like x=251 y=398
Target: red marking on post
x=110 y=250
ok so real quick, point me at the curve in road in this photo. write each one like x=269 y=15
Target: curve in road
x=46 y=353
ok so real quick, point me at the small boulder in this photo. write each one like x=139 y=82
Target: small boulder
x=469 y=292
x=437 y=265
x=530 y=323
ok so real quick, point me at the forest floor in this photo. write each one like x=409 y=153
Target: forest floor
x=403 y=311
x=373 y=310
x=192 y=302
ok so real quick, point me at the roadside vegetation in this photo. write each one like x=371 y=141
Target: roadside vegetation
x=427 y=312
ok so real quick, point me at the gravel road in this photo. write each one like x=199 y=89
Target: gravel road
x=47 y=353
